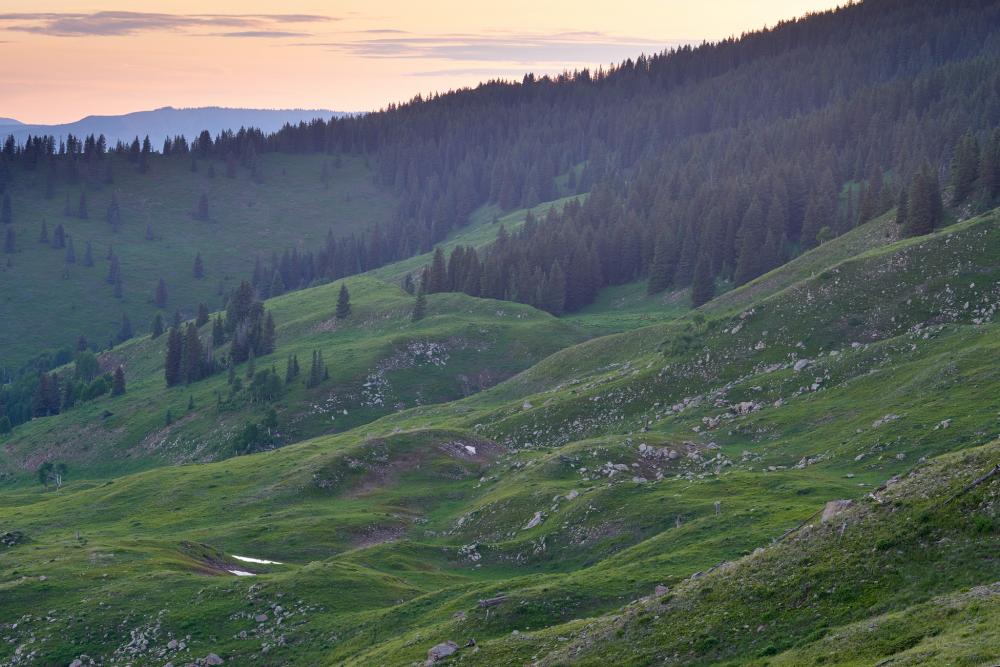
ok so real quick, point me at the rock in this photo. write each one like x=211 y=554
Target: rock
x=172 y=644
x=572 y=494
x=213 y=659
x=442 y=650
x=800 y=364
x=76 y=663
x=884 y=420
x=744 y=408
x=944 y=423
x=42 y=578
x=535 y=520
x=260 y=618
x=833 y=508
x=527 y=405
x=660 y=590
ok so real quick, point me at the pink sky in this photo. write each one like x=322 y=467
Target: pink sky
x=64 y=60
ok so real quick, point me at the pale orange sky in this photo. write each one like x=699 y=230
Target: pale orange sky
x=64 y=60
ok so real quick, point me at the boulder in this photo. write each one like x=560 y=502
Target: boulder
x=213 y=659
x=833 y=508
x=800 y=364
x=535 y=520
x=260 y=618
x=442 y=650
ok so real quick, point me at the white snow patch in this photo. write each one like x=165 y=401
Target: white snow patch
x=242 y=573
x=261 y=561
x=470 y=449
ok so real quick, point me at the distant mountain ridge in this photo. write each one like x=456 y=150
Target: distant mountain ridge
x=167 y=121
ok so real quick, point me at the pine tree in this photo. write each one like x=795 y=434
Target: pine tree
x=125 y=331
x=172 y=368
x=989 y=169
x=925 y=210
x=438 y=277
x=660 y=273
x=81 y=208
x=201 y=319
x=201 y=212
x=88 y=255
x=267 y=335
x=902 y=209
x=343 y=302
x=118 y=382
x=277 y=284
x=199 y=267
x=750 y=264
x=191 y=367
x=251 y=364
x=964 y=169
x=70 y=251
x=703 y=283
x=218 y=331
x=59 y=237
x=114 y=216
x=156 y=329
x=419 y=306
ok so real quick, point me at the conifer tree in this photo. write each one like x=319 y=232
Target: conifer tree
x=191 y=367
x=251 y=364
x=10 y=241
x=989 y=169
x=172 y=367
x=703 y=283
x=437 y=280
x=659 y=271
x=81 y=208
x=70 y=251
x=118 y=382
x=199 y=267
x=267 y=335
x=201 y=319
x=125 y=330
x=343 y=302
x=218 y=331
x=419 y=306
x=201 y=212
x=118 y=286
x=902 y=209
x=964 y=168
x=88 y=255
x=925 y=210
x=114 y=216
x=156 y=329
x=277 y=284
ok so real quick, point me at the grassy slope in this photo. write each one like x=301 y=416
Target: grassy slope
x=379 y=362
x=392 y=532
x=291 y=208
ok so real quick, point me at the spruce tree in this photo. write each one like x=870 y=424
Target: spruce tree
x=88 y=255
x=118 y=382
x=660 y=274
x=343 y=302
x=218 y=331
x=191 y=367
x=964 y=169
x=70 y=251
x=156 y=329
x=902 y=209
x=702 y=283
x=437 y=280
x=419 y=306
x=125 y=331
x=199 y=267
x=277 y=284
x=172 y=366
x=81 y=208
x=201 y=319
x=201 y=211
x=114 y=216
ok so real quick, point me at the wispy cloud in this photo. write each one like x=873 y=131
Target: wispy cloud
x=521 y=48
x=261 y=33
x=118 y=23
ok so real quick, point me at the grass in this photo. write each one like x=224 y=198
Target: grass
x=557 y=486
x=291 y=208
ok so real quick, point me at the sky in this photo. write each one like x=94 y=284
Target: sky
x=64 y=60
